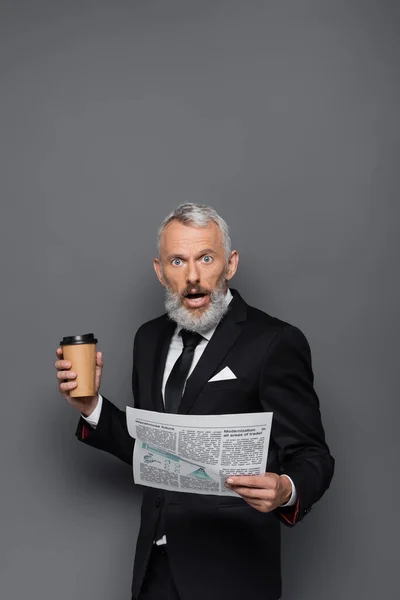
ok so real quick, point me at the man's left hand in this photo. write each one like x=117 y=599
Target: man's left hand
x=263 y=492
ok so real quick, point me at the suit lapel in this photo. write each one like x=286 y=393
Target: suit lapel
x=218 y=347
x=162 y=346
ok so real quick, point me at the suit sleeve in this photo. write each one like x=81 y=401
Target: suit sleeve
x=111 y=434
x=286 y=389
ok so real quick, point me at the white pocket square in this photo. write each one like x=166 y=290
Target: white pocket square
x=226 y=373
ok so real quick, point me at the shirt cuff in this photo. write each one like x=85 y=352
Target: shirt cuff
x=93 y=418
x=293 y=498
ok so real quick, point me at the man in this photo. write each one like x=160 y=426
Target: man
x=193 y=547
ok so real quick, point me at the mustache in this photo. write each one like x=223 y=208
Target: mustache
x=194 y=289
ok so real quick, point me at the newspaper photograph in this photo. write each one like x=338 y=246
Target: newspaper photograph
x=196 y=453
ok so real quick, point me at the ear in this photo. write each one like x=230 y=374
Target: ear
x=158 y=270
x=233 y=262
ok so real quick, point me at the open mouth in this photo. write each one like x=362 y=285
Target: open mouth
x=195 y=296
x=196 y=299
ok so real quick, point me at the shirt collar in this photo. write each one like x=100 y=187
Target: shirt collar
x=208 y=334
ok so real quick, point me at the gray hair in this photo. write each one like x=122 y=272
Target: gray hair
x=198 y=215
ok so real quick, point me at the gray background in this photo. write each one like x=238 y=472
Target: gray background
x=284 y=116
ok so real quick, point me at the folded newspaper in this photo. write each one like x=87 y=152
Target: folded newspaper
x=196 y=453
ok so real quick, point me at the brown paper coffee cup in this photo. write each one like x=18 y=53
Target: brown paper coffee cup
x=81 y=351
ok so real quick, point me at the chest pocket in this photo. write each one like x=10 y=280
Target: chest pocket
x=227 y=396
x=224 y=384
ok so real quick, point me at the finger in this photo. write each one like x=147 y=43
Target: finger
x=59 y=352
x=99 y=359
x=67 y=386
x=62 y=375
x=250 y=481
x=255 y=503
x=257 y=481
x=63 y=364
x=245 y=481
x=254 y=493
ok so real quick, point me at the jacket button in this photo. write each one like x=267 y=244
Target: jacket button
x=157 y=502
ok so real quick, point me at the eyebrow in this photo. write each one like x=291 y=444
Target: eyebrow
x=201 y=253
x=206 y=251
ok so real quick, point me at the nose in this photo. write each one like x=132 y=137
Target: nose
x=193 y=273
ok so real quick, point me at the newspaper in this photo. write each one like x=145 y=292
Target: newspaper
x=196 y=453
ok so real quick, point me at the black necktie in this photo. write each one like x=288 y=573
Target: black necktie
x=173 y=393
x=177 y=379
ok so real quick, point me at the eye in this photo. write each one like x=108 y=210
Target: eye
x=177 y=262
x=207 y=259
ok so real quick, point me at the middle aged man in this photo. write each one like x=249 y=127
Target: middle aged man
x=194 y=547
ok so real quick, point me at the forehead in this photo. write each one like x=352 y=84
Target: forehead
x=178 y=237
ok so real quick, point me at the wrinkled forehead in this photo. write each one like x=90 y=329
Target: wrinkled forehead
x=178 y=238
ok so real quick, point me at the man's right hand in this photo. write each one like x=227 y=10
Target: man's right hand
x=66 y=378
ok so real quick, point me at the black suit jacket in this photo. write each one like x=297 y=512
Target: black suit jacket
x=220 y=547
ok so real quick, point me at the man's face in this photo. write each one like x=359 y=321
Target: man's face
x=193 y=264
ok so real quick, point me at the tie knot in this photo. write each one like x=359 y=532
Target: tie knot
x=190 y=339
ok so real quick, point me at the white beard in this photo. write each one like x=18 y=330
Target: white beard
x=198 y=323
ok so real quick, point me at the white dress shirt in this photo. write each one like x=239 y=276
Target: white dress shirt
x=175 y=350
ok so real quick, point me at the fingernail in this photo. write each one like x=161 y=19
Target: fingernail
x=229 y=480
